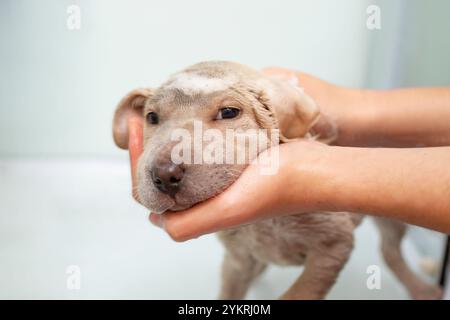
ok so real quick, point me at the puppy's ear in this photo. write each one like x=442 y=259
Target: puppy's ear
x=287 y=107
x=130 y=106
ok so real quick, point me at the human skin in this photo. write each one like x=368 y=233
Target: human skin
x=410 y=117
x=409 y=184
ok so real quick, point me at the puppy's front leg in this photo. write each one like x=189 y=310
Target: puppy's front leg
x=321 y=271
x=238 y=272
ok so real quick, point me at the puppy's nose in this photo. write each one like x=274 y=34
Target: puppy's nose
x=167 y=177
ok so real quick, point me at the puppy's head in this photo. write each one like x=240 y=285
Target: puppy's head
x=208 y=104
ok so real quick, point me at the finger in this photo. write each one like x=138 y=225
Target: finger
x=273 y=70
x=282 y=74
x=156 y=219
x=135 y=138
x=237 y=205
x=278 y=72
x=198 y=220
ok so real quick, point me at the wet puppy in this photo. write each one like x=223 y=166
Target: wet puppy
x=218 y=97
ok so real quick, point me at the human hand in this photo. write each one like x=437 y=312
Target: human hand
x=335 y=103
x=253 y=196
x=405 y=117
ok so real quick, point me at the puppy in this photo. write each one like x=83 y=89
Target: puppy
x=225 y=95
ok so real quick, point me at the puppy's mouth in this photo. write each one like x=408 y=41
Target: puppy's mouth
x=171 y=203
x=179 y=207
x=181 y=202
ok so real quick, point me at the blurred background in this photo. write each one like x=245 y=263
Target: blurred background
x=65 y=199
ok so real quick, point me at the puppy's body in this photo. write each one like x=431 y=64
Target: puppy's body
x=322 y=242
x=287 y=240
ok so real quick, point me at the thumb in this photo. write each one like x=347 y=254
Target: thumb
x=135 y=141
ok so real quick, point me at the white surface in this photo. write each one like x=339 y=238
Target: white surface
x=56 y=213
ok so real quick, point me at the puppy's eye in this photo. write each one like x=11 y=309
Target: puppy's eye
x=152 y=118
x=227 y=113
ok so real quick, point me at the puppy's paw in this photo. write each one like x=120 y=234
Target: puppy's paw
x=427 y=292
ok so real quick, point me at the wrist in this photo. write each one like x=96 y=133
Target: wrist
x=309 y=177
x=324 y=178
x=354 y=116
x=345 y=109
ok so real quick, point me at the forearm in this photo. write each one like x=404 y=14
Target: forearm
x=412 y=185
x=391 y=118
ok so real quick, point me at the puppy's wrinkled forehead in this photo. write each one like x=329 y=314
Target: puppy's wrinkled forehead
x=193 y=84
x=203 y=80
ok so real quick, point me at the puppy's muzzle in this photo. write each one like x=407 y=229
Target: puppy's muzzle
x=166 y=175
